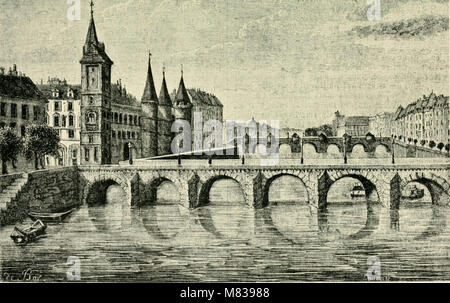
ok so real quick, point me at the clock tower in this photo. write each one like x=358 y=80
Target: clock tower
x=95 y=100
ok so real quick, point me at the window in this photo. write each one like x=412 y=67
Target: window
x=22 y=130
x=125 y=117
x=56 y=121
x=36 y=113
x=86 y=154
x=114 y=134
x=71 y=122
x=71 y=134
x=70 y=106
x=128 y=135
x=57 y=106
x=92 y=118
x=116 y=117
x=95 y=154
x=63 y=121
x=13 y=110
x=119 y=134
x=133 y=135
x=25 y=112
x=3 y=109
x=91 y=139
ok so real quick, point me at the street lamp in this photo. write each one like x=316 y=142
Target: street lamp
x=392 y=151
x=130 y=151
x=302 y=161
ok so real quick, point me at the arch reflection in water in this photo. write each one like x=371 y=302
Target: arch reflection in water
x=110 y=214
x=352 y=210
x=287 y=214
x=418 y=217
x=162 y=221
x=224 y=213
x=165 y=218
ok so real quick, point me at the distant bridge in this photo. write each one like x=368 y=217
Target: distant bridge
x=383 y=183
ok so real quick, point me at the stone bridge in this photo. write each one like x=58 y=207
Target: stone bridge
x=383 y=183
x=322 y=143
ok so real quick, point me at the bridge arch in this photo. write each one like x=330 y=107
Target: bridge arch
x=357 y=145
x=334 y=149
x=155 y=185
x=386 y=146
x=95 y=191
x=438 y=187
x=370 y=184
x=269 y=182
x=205 y=189
x=310 y=147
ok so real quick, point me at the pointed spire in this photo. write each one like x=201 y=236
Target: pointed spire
x=164 y=97
x=149 y=91
x=91 y=37
x=182 y=96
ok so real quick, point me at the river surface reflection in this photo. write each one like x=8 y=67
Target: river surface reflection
x=287 y=241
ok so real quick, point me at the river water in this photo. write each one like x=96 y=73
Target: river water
x=227 y=241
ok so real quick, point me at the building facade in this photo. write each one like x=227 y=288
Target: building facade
x=116 y=126
x=423 y=121
x=380 y=125
x=64 y=114
x=355 y=126
x=21 y=104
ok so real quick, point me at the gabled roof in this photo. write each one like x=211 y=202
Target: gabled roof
x=200 y=97
x=357 y=120
x=19 y=87
x=119 y=95
x=398 y=113
x=48 y=89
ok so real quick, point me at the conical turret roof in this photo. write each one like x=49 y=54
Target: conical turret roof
x=149 y=91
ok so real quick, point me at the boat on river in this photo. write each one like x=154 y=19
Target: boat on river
x=357 y=192
x=413 y=193
x=50 y=217
x=24 y=236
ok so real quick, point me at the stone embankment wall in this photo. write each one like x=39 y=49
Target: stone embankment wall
x=47 y=191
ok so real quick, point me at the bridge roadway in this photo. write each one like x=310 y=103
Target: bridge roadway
x=382 y=181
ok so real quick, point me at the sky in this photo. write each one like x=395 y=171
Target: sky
x=296 y=61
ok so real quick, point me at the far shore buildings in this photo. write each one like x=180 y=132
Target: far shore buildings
x=355 y=126
x=21 y=104
x=425 y=120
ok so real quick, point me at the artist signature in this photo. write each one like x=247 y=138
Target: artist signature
x=26 y=276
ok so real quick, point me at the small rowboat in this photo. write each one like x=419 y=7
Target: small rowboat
x=50 y=217
x=33 y=233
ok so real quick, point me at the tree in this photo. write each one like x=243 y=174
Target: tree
x=422 y=142
x=432 y=144
x=10 y=147
x=311 y=132
x=326 y=129
x=40 y=141
x=440 y=146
